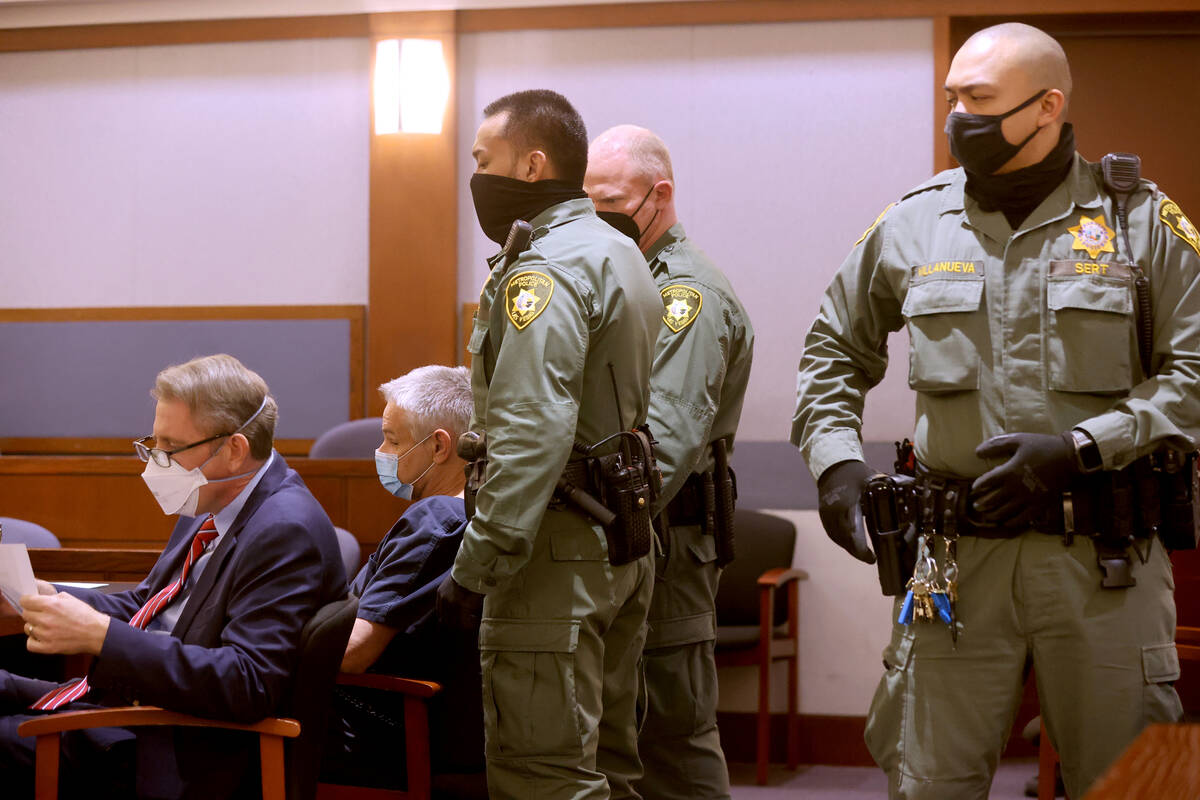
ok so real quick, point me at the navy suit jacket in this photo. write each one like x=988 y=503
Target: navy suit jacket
x=234 y=648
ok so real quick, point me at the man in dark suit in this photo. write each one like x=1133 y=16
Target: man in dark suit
x=214 y=629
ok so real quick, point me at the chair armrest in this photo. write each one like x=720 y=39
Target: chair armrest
x=1187 y=635
x=130 y=716
x=389 y=683
x=780 y=576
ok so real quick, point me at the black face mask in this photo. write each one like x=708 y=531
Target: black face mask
x=625 y=222
x=501 y=201
x=977 y=141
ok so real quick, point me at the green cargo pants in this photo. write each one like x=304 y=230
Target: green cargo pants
x=559 y=647
x=1104 y=660
x=679 y=744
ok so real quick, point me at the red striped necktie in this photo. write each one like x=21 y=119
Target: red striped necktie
x=77 y=688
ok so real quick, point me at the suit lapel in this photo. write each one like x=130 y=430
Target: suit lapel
x=216 y=563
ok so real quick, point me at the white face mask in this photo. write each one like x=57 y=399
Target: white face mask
x=176 y=489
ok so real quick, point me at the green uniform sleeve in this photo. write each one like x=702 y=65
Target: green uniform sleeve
x=685 y=389
x=845 y=354
x=532 y=409
x=1164 y=408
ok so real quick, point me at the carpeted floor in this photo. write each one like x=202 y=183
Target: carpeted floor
x=855 y=783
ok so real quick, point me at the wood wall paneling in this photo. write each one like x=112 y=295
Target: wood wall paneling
x=413 y=285
x=101 y=501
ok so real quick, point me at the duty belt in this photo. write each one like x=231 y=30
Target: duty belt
x=951 y=496
x=694 y=502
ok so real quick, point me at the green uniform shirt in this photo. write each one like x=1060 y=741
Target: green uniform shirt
x=701 y=362
x=547 y=329
x=1011 y=331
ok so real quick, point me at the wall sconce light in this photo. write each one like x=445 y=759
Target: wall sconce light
x=412 y=86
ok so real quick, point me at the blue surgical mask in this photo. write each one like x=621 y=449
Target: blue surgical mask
x=386 y=466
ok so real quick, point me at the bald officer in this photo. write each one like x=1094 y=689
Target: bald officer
x=1018 y=295
x=701 y=366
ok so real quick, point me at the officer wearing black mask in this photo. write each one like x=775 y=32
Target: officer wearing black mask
x=1018 y=295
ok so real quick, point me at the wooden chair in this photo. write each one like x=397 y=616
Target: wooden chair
x=322 y=643
x=416 y=740
x=753 y=628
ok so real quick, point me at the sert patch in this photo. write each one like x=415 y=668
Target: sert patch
x=1170 y=213
x=525 y=297
x=681 y=306
x=1092 y=235
x=867 y=232
x=1062 y=268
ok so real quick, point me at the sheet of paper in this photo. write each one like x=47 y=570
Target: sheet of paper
x=80 y=584
x=16 y=575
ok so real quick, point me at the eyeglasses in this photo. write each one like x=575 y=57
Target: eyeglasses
x=163 y=457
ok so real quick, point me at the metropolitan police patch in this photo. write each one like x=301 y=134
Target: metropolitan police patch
x=1093 y=236
x=1170 y=213
x=681 y=306
x=526 y=296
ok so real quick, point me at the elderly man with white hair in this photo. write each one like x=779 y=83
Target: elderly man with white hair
x=397 y=631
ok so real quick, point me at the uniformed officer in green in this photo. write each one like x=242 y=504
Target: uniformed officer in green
x=701 y=366
x=561 y=354
x=1017 y=293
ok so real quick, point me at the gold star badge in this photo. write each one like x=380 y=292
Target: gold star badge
x=527 y=295
x=681 y=306
x=1093 y=236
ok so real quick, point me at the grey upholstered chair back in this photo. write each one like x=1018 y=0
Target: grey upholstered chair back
x=357 y=438
x=30 y=534
x=351 y=551
x=763 y=541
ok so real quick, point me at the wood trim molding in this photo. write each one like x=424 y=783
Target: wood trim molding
x=943 y=51
x=104 y=446
x=355 y=315
x=142 y=313
x=601 y=15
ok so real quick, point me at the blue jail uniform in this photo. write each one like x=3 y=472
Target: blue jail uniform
x=397 y=587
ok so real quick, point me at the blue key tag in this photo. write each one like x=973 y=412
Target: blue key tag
x=942 y=603
x=906 y=609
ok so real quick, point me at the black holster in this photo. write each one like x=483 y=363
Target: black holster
x=890 y=511
x=472 y=448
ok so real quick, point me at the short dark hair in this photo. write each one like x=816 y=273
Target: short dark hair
x=541 y=119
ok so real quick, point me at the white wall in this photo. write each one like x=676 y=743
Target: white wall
x=844 y=625
x=787 y=139
x=216 y=174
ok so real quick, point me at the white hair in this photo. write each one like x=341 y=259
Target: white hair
x=433 y=397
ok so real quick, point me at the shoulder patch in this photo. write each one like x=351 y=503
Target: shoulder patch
x=681 y=306
x=867 y=232
x=526 y=296
x=1170 y=213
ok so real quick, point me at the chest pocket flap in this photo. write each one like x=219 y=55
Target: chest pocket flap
x=1091 y=342
x=942 y=297
x=947 y=332
x=1092 y=295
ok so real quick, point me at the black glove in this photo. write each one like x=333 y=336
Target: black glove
x=458 y=607
x=1039 y=466
x=838 y=491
